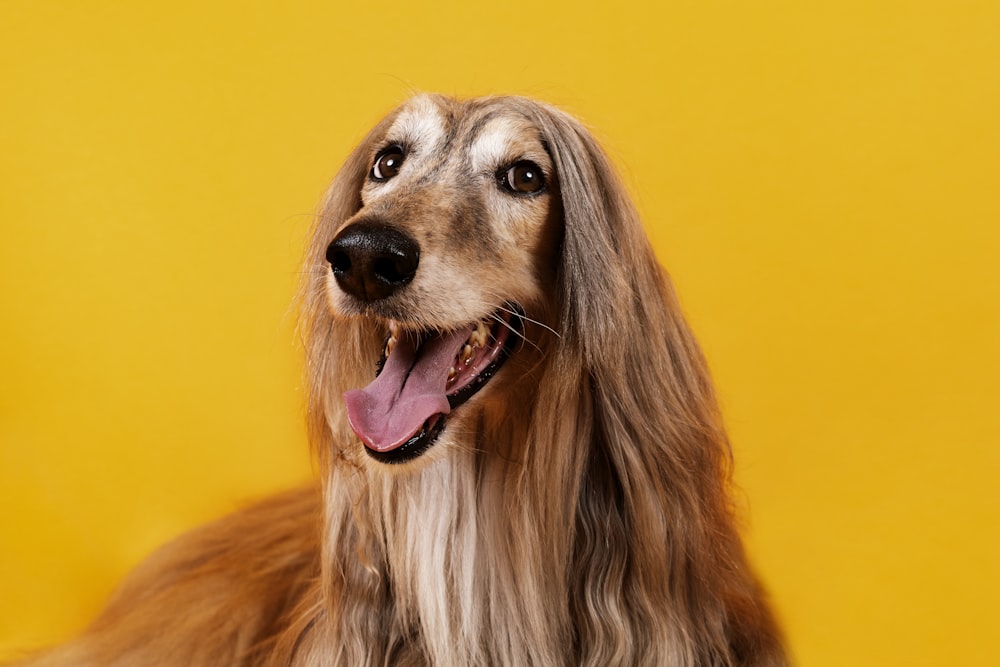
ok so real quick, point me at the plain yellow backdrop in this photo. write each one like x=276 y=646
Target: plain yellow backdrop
x=821 y=178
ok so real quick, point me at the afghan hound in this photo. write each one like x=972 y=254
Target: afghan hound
x=522 y=459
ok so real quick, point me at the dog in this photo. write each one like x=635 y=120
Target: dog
x=522 y=458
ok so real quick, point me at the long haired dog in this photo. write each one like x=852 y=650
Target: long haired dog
x=523 y=461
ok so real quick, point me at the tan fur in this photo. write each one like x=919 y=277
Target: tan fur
x=574 y=512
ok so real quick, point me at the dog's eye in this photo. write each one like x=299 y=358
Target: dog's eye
x=387 y=163
x=523 y=178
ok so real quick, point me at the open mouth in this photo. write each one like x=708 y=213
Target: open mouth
x=422 y=377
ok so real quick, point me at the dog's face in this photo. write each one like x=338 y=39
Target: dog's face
x=450 y=255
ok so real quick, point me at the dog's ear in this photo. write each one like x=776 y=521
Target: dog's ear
x=660 y=456
x=334 y=354
x=619 y=309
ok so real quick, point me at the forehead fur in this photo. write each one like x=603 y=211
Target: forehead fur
x=504 y=138
x=420 y=124
x=486 y=131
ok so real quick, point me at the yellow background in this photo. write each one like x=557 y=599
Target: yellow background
x=820 y=177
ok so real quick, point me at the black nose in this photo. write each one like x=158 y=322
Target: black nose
x=371 y=261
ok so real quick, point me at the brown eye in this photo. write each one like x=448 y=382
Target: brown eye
x=387 y=163
x=523 y=178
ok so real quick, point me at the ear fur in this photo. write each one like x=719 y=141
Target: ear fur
x=336 y=359
x=656 y=488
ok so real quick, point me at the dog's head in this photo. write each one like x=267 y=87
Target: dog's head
x=462 y=242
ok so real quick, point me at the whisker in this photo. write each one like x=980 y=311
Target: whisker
x=501 y=305
x=532 y=320
x=515 y=331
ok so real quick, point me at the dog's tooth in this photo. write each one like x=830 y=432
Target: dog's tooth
x=479 y=335
x=391 y=342
x=452 y=374
x=466 y=356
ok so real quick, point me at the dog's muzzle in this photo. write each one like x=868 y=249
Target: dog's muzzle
x=425 y=375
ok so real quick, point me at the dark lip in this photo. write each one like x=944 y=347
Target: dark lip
x=428 y=434
x=413 y=447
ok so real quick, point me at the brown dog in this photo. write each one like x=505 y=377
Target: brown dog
x=523 y=461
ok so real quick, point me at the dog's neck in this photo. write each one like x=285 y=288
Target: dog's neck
x=471 y=551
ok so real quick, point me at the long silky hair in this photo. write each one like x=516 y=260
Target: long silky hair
x=592 y=525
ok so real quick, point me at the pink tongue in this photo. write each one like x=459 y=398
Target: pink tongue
x=409 y=391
